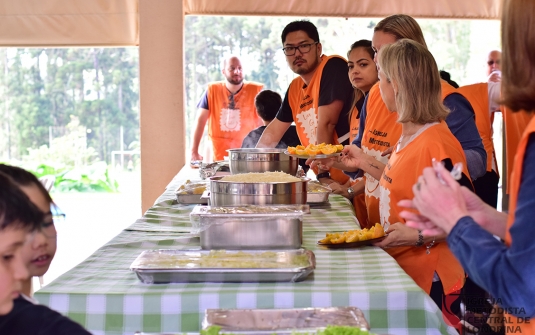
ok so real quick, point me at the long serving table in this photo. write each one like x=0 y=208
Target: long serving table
x=105 y=297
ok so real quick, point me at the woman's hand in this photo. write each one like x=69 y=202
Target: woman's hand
x=442 y=204
x=418 y=221
x=340 y=189
x=353 y=156
x=399 y=235
x=387 y=152
x=322 y=163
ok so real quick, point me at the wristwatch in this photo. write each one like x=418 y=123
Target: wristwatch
x=323 y=175
x=351 y=192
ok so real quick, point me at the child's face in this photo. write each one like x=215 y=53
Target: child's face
x=12 y=268
x=40 y=246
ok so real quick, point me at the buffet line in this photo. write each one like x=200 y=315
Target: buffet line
x=249 y=217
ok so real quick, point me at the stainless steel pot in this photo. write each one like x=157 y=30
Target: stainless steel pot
x=224 y=193
x=246 y=160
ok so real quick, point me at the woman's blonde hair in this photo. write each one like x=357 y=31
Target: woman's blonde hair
x=411 y=67
x=401 y=26
x=518 y=55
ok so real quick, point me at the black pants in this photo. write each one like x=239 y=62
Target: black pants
x=486 y=188
x=475 y=298
x=452 y=304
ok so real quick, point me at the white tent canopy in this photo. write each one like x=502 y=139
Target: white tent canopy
x=157 y=27
x=116 y=22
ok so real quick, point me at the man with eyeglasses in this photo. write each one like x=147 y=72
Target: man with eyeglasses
x=229 y=108
x=318 y=101
x=493 y=66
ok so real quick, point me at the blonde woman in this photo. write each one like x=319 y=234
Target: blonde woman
x=410 y=87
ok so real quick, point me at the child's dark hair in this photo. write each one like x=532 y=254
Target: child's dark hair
x=267 y=104
x=16 y=209
x=22 y=177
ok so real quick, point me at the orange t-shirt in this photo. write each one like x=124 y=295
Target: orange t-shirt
x=514 y=187
x=304 y=102
x=478 y=96
x=382 y=131
x=399 y=176
x=359 y=201
x=515 y=124
x=229 y=121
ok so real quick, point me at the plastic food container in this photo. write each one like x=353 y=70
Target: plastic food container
x=250 y=227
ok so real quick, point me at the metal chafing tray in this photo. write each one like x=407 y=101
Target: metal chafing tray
x=191 y=192
x=283 y=321
x=317 y=193
x=184 y=266
x=250 y=226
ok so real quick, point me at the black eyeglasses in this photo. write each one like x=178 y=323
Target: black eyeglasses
x=491 y=62
x=303 y=48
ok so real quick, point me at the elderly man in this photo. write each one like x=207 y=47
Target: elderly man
x=493 y=66
x=318 y=101
x=229 y=108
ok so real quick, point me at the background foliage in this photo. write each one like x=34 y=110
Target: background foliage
x=43 y=91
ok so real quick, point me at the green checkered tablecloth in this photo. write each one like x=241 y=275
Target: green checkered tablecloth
x=105 y=297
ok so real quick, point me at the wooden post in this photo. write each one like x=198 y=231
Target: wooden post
x=161 y=73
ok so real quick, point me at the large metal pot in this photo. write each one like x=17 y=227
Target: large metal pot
x=245 y=160
x=224 y=193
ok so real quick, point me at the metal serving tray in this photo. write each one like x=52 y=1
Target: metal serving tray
x=318 y=198
x=283 y=266
x=262 y=227
x=317 y=193
x=191 y=199
x=185 y=193
x=283 y=321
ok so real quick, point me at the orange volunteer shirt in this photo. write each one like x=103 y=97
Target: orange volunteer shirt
x=400 y=174
x=227 y=126
x=303 y=100
x=514 y=187
x=382 y=131
x=478 y=96
x=515 y=124
x=359 y=201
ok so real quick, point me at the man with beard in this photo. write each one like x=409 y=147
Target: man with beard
x=493 y=66
x=318 y=101
x=229 y=108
